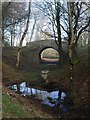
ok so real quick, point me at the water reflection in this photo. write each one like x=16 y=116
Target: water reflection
x=44 y=73
x=49 y=98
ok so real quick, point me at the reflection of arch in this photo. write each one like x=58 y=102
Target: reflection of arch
x=49 y=60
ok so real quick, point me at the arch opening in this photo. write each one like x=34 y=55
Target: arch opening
x=49 y=56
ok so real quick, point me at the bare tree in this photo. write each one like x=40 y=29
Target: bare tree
x=23 y=36
x=81 y=20
x=57 y=8
x=12 y=14
x=75 y=30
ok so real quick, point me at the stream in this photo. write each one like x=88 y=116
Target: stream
x=51 y=99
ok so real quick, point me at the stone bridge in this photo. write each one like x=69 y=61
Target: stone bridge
x=32 y=51
x=31 y=54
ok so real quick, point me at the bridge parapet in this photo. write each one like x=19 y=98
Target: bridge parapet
x=45 y=43
x=42 y=43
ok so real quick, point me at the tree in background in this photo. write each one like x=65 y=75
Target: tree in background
x=55 y=13
x=12 y=14
x=23 y=36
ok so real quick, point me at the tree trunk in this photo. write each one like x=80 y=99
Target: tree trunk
x=71 y=48
x=71 y=43
x=2 y=29
x=11 y=32
x=89 y=38
x=23 y=36
x=14 y=34
x=58 y=29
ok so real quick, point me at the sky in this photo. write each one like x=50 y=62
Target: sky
x=37 y=0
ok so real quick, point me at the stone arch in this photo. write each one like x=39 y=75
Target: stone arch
x=44 y=48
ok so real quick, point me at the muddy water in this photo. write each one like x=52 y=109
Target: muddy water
x=51 y=99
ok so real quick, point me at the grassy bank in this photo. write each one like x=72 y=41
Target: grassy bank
x=16 y=106
x=13 y=110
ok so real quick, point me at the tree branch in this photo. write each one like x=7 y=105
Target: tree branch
x=83 y=28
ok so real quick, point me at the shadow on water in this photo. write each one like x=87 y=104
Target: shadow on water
x=52 y=99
